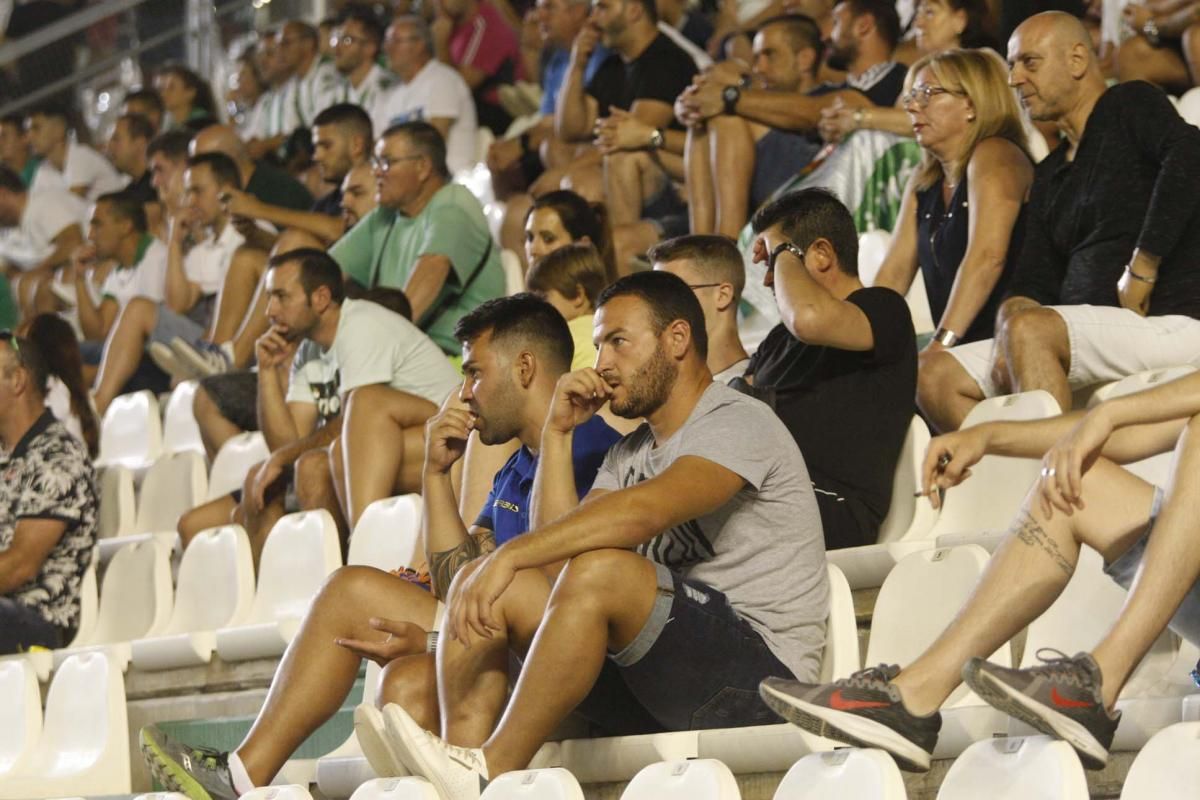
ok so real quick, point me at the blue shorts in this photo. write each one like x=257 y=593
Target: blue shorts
x=695 y=664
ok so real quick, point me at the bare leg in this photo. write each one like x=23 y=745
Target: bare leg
x=702 y=205
x=1191 y=51
x=630 y=179
x=337 y=468
x=258 y=522
x=383 y=439
x=945 y=392
x=253 y=326
x=212 y=514
x=512 y=226
x=316 y=674
x=124 y=349
x=411 y=683
x=1137 y=60
x=631 y=241
x=1026 y=574
x=237 y=291
x=731 y=150
x=314 y=489
x=215 y=429
x=1035 y=344
x=586 y=180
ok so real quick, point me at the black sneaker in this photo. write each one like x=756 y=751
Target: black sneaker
x=198 y=772
x=864 y=710
x=1061 y=698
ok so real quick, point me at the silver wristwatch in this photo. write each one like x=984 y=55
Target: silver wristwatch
x=1151 y=32
x=945 y=337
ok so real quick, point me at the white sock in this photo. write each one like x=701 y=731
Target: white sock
x=227 y=349
x=238 y=775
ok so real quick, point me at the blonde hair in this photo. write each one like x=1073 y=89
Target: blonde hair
x=982 y=77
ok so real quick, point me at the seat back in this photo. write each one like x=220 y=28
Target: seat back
x=288 y=792
x=514 y=276
x=215 y=588
x=918 y=600
x=118 y=506
x=387 y=533
x=174 y=485
x=872 y=250
x=1168 y=763
x=20 y=713
x=89 y=606
x=131 y=432
x=85 y=729
x=396 y=789
x=905 y=483
x=696 y=779
x=181 y=434
x=233 y=462
x=135 y=596
x=841 y=656
x=845 y=773
x=534 y=784
x=300 y=552
x=1189 y=106
x=1016 y=768
x=1155 y=469
x=989 y=499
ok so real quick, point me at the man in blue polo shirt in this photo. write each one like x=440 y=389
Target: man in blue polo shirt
x=515 y=349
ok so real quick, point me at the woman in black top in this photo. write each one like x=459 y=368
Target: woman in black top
x=966 y=119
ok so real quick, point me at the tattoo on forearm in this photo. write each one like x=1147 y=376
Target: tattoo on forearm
x=1030 y=533
x=445 y=565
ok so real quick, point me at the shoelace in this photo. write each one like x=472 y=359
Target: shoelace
x=208 y=757
x=1061 y=667
x=871 y=677
x=464 y=754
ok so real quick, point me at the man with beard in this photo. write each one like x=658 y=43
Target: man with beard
x=515 y=349
x=691 y=567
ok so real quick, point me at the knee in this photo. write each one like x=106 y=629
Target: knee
x=937 y=372
x=1131 y=54
x=368 y=401
x=589 y=577
x=203 y=406
x=313 y=478
x=1033 y=328
x=350 y=586
x=407 y=682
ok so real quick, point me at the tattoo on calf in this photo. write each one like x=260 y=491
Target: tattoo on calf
x=1030 y=533
x=445 y=565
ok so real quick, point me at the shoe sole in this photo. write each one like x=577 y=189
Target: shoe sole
x=192 y=360
x=165 y=359
x=372 y=736
x=168 y=773
x=848 y=728
x=1039 y=716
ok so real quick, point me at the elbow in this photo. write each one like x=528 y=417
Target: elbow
x=805 y=323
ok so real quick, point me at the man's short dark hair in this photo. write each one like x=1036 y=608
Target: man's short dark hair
x=224 y=169
x=426 y=140
x=51 y=111
x=29 y=356
x=802 y=33
x=668 y=298
x=15 y=118
x=716 y=257
x=303 y=30
x=350 y=117
x=148 y=96
x=521 y=320
x=811 y=214
x=369 y=21
x=887 y=20
x=172 y=144
x=317 y=269
x=11 y=181
x=394 y=300
x=127 y=206
x=649 y=8
x=139 y=126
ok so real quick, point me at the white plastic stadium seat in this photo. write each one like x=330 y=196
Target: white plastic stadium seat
x=396 y=789
x=215 y=589
x=118 y=503
x=1189 y=106
x=135 y=602
x=42 y=661
x=917 y=601
x=131 y=432
x=841 y=657
x=20 y=715
x=233 y=462
x=173 y=485
x=872 y=251
x=909 y=517
x=700 y=779
x=386 y=535
x=847 y=773
x=1155 y=469
x=286 y=792
x=301 y=551
x=1033 y=768
x=1168 y=767
x=514 y=276
x=534 y=784
x=84 y=746
x=181 y=434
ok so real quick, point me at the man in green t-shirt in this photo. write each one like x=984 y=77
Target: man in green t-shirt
x=427 y=236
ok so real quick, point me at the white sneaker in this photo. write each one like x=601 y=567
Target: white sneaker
x=164 y=357
x=376 y=744
x=457 y=773
x=203 y=358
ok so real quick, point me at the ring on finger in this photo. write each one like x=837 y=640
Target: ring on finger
x=1048 y=472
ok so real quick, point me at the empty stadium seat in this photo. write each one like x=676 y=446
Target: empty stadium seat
x=1189 y=106
x=84 y=746
x=534 y=784
x=846 y=773
x=214 y=590
x=173 y=485
x=118 y=503
x=300 y=552
x=514 y=276
x=1168 y=767
x=131 y=432
x=699 y=779
x=20 y=715
x=872 y=251
x=909 y=517
x=1191 y=708
x=917 y=601
x=396 y=789
x=135 y=602
x=233 y=462
x=181 y=434
x=1033 y=768
x=387 y=534
x=287 y=792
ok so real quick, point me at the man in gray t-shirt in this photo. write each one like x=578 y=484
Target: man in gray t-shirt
x=693 y=568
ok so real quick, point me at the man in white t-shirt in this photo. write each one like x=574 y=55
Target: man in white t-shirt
x=193 y=280
x=428 y=90
x=38 y=233
x=66 y=164
x=357 y=40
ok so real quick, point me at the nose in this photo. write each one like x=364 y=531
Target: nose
x=464 y=392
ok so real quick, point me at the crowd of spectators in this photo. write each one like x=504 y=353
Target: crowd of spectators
x=613 y=450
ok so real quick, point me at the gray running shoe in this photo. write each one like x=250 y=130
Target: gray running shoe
x=201 y=357
x=164 y=357
x=198 y=772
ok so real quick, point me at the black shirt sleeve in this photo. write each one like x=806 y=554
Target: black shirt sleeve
x=1040 y=270
x=606 y=84
x=890 y=320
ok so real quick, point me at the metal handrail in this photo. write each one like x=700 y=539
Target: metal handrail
x=80 y=20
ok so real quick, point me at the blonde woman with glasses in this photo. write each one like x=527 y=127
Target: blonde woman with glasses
x=974 y=156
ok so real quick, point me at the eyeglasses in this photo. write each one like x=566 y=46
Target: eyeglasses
x=385 y=164
x=695 y=286
x=921 y=95
x=345 y=40
x=781 y=247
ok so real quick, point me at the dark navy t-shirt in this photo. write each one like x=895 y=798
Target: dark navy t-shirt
x=506 y=512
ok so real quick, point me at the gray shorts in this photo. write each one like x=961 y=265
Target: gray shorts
x=1123 y=570
x=189 y=327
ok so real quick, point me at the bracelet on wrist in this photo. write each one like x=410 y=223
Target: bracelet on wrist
x=1142 y=278
x=945 y=337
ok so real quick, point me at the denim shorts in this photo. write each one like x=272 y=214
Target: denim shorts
x=1123 y=570
x=695 y=664
x=22 y=627
x=189 y=327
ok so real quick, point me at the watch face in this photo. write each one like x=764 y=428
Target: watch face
x=731 y=94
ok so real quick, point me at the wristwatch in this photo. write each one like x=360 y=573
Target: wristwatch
x=945 y=337
x=656 y=139
x=731 y=95
x=1150 y=31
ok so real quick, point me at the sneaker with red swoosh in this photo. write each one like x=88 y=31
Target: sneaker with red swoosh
x=1060 y=698
x=864 y=710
